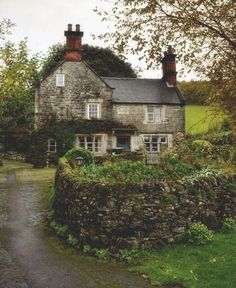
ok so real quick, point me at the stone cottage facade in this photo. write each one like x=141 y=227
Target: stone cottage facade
x=151 y=110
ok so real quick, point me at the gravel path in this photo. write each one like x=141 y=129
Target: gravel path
x=32 y=255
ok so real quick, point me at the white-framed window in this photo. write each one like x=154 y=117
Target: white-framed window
x=52 y=145
x=155 y=114
x=153 y=142
x=93 y=111
x=60 y=80
x=90 y=142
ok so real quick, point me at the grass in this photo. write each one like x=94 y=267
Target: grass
x=210 y=266
x=25 y=172
x=200 y=119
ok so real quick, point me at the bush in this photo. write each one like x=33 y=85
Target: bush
x=198 y=234
x=229 y=225
x=130 y=255
x=103 y=254
x=73 y=153
x=202 y=147
x=88 y=249
x=60 y=229
x=72 y=240
x=172 y=165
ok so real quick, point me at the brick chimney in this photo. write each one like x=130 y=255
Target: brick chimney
x=169 y=67
x=73 y=43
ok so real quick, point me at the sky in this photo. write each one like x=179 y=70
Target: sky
x=43 y=22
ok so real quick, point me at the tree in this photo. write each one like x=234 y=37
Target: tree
x=102 y=60
x=5 y=25
x=17 y=80
x=202 y=31
x=195 y=92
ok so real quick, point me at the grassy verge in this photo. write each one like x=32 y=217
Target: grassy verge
x=200 y=119
x=210 y=266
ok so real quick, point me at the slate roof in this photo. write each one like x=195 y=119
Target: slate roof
x=153 y=91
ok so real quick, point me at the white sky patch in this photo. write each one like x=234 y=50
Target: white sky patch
x=43 y=23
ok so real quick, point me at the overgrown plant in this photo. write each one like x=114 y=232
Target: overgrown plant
x=198 y=234
x=229 y=225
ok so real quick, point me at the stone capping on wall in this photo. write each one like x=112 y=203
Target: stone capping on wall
x=140 y=215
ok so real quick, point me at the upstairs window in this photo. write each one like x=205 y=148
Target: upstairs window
x=52 y=145
x=155 y=114
x=93 y=111
x=60 y=80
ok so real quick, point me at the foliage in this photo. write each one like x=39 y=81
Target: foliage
x=5 y=25
x=174 y=166
x=88 y=249
x=18 y=78
x=127 y=171
x=103 y=254
x=205 y=266
x=202 y=147
x=72 y=240
x=198 y=234
x=204 y=33
x=195 y=92
x=72 y=154
x=60 y=229
x=102 y=60
x=131 y=256
x=229 y=225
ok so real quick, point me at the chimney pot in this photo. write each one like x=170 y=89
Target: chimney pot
x=77 y=27
x=69 y=27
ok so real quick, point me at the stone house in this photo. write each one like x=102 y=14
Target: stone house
x=151 y=110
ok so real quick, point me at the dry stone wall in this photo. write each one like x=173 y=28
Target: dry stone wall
x=140 y=215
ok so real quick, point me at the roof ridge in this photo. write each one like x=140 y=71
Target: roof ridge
x=124 y=78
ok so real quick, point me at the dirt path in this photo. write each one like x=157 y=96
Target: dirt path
x=40 y=257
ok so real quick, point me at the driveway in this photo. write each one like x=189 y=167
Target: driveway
x=31 y=256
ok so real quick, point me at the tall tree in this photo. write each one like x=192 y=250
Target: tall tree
x=5 y=25
x=102 y=60
x=202 y=31
x=17 y=80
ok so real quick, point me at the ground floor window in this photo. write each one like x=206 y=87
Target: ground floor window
x=123 y=142
x=90 y=142
x=153 y=142
x=52 y=145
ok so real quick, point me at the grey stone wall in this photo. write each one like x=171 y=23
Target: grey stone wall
x=140 y=215
x=81 y=85
x=136 y=114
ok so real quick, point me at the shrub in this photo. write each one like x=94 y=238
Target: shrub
x=202 y=147
x=229 y=225
x=103 y=254
x=88 y=249
x=73 y=153
x=72 y=240
x=60 y=229
x=130 y=255
x=121 y=171
x=198 y=234
x=172 y=165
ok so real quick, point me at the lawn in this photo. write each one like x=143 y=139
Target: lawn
x=200 y=119
x=210 y=266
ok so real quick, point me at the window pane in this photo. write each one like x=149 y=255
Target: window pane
x=60 y=82
x=97 y=147
x=158 y=114
x=93 y=110
x=123 y=142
